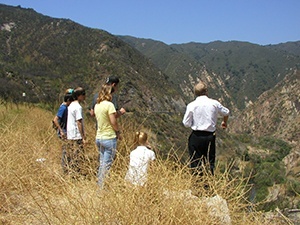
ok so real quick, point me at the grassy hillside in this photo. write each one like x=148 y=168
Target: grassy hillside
x=34 y=190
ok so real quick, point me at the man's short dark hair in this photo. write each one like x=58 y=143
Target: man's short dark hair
x=77 y=92
x=68 y=97
x=112 y=80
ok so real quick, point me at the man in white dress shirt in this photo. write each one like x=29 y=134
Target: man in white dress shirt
x=201 y=116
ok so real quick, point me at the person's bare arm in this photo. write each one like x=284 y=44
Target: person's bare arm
x=92 y=112
x=55 y=120
x=81 y=130
x=224 y=122
x=120 y=112
x=114 y=124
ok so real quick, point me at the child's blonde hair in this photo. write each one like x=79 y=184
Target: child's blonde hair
x=140 y=138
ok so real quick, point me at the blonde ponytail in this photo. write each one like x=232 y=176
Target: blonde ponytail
x=140 y=138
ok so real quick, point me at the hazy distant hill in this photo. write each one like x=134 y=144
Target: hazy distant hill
x=290 y=47
x=238 y=72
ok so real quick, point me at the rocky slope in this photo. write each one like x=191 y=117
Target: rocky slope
x=276 y=112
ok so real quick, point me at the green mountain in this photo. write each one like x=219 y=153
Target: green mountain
x=42 y=56
x=238 y=72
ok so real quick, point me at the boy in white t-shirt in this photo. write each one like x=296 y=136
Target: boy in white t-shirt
x=75 y=134
x=140 y=158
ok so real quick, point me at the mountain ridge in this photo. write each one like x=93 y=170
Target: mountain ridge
x=246 y=69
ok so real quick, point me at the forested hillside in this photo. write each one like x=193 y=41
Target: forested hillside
x=42 y=56
x=238 y=72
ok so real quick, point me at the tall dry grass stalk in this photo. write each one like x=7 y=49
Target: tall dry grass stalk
x=34 y=191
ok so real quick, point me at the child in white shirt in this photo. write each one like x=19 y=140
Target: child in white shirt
x=140 y=158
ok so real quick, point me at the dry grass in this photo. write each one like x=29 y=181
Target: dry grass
x=33 y=192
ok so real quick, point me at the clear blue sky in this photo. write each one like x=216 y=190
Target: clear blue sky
x=172 y=21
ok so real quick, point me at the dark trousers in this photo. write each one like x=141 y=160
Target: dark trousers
x=202 y=149
x=72 y=157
